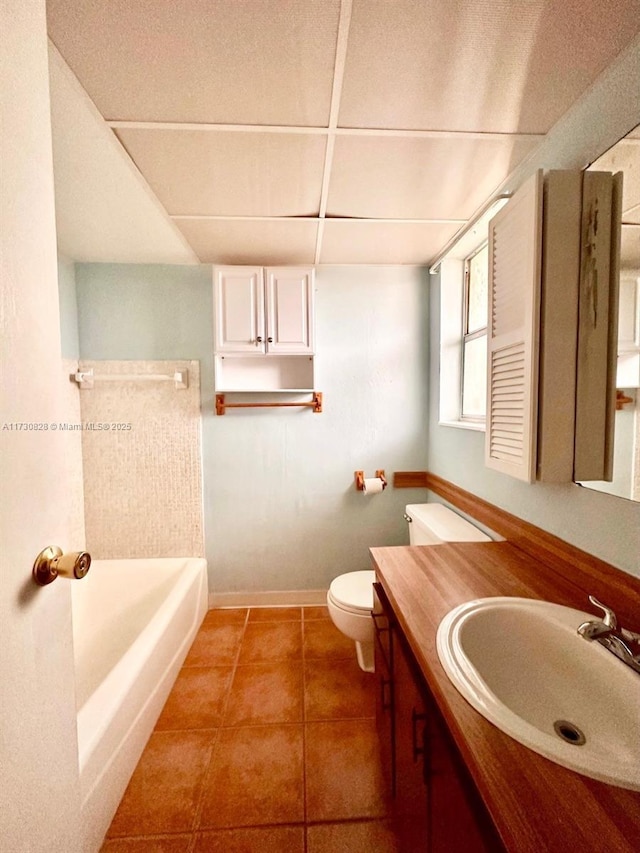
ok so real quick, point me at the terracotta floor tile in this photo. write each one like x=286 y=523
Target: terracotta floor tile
x=337 y=690
x=270 y=641
x=149 y=844
x=256 y=778
x=215 y=645
x=275 y=614
x=226 y=616
x=323 y=640
x=266 y=839
x=197 y=698
x=310 y=613
x=375 y=835
x=163 y=792
x=264 y=693
x=343 y=772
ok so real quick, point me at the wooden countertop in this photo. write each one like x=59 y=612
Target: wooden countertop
x=536 y=805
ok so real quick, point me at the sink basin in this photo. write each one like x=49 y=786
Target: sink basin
x=521 y=663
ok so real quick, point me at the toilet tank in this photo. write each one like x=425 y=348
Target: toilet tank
x=435 y=524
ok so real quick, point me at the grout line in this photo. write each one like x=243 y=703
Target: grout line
x=197 y=816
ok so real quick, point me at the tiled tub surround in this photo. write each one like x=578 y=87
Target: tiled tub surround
x=267 y=742
x=143 y=484
x=70 y=398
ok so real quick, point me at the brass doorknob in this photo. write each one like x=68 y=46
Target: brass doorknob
x=51 y=562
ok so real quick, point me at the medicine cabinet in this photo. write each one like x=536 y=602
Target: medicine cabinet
x=553 y=305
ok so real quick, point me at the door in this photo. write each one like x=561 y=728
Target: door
x=39 y=781
x=289 y=310
x=239 y=310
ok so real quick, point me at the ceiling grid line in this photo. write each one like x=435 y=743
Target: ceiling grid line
x=336 y=93
x=221 y=217
x=401 y=133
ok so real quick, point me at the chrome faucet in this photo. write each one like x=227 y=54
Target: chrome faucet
x=622 y=643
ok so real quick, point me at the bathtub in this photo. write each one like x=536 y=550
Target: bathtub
x=133 y=624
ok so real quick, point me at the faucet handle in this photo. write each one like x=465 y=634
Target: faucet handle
x=609 y=616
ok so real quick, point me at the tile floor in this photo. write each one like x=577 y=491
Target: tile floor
x=267 y=743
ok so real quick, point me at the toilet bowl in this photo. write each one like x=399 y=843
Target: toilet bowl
x=350 y=602
x=350 y=596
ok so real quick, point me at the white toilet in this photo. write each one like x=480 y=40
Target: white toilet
x=350 y=596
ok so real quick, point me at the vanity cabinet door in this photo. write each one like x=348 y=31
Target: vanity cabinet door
x=437 y=808
x=412 y=759
x=385 y=722
x=457 y=817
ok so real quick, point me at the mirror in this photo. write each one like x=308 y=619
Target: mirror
x=625 y=157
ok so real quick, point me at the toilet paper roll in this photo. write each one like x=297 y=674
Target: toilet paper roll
x=372 y=486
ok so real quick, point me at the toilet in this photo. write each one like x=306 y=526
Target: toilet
x=350 y=596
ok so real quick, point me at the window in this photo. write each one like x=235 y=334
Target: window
x=474 y=336
x=464 y=311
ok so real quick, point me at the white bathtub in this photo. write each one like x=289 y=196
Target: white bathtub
x=133 y=624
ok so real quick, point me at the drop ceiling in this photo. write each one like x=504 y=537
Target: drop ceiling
x=312 y=131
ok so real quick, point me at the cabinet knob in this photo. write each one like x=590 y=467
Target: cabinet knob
x=259 y=339
x=270 y=340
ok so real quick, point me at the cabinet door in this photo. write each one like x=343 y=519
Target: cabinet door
x=290 y=310
x=384 y=699
x=411 y=758
x=239 y=309
x=458 y=818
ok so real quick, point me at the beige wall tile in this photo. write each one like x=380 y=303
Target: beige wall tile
x=70 y=394
x=142 y=484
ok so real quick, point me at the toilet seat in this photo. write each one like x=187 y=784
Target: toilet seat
x=353 y=592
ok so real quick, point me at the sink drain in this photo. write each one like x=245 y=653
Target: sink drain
x=569 y=732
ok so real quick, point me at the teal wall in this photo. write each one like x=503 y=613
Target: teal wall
x=69 y=342
x=601 y=524
x=280 y=508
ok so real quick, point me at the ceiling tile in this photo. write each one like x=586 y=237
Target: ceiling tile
x=632 y=215
x=630 y=248
x=478 y=65
x=105 y=212
x=624 y=156
x=373 y=242
x=228 y=173
x=400 y=178
x=251 y=242
x=266 y=62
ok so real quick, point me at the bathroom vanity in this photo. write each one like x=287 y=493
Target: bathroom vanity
x=459 y=782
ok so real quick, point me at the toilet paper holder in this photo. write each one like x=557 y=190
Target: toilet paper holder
x=359 y=479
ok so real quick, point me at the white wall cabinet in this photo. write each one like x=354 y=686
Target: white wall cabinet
x=264 y=325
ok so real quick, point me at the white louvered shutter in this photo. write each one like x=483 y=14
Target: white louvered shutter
x=515 y=240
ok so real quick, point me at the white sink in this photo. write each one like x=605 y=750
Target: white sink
x=522 y=664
